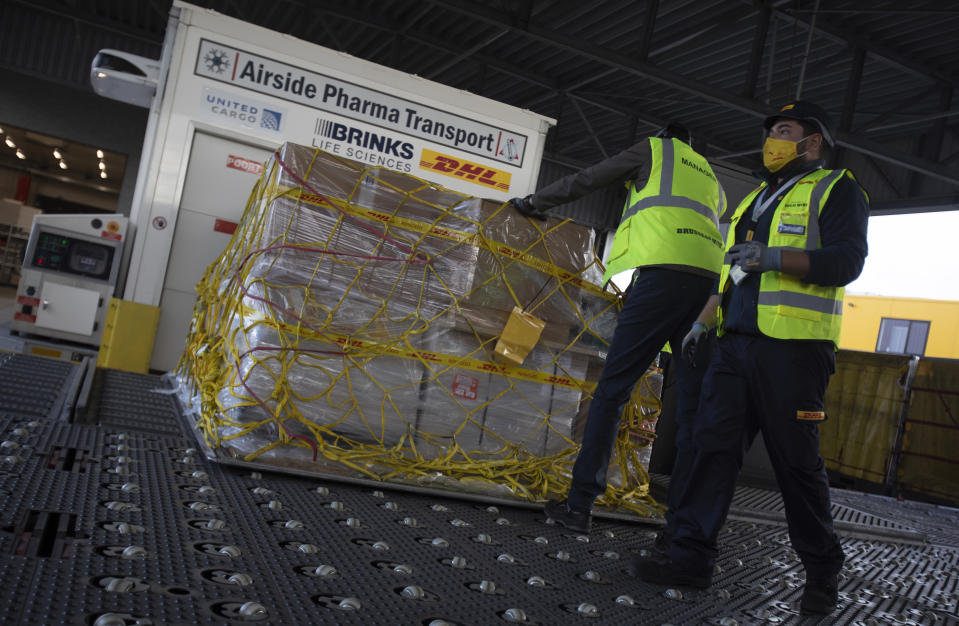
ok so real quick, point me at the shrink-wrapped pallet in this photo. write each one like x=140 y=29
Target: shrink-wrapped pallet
x=356 y=311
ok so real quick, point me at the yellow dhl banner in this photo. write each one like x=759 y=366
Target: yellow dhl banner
x=456 y=167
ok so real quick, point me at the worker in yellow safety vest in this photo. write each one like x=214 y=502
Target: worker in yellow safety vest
x=669 y=236
x=794 y=242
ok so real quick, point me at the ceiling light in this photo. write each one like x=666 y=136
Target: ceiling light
x=103 y=173
x=21 y=155
x=99 y=154
x=63 y=164
x=102 y=165
x=1 y=131
x=57 y=154
x=10 y=143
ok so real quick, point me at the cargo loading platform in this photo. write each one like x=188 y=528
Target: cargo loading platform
x=111 y=515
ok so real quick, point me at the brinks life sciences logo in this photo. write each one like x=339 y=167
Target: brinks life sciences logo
x=363 y=145
x=240 y=110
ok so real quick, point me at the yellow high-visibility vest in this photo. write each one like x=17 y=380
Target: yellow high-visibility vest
x=674 y=219
x=788 y=308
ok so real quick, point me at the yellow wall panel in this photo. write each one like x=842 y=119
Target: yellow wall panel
x=863 y=403
x=128 y=336
x=930 y=463
x=862 y=316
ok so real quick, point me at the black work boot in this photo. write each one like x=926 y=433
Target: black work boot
x=660 y=570
x=661 y=545
x=819 y=596
x=561 y=513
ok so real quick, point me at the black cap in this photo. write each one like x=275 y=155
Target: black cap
x=674 y=130
x=804 y=112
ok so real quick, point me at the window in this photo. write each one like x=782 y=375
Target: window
x=902 y=336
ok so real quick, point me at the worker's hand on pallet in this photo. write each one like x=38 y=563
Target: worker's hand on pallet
x=525 y=206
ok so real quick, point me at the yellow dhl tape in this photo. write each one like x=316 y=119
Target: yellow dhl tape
x=360 y=347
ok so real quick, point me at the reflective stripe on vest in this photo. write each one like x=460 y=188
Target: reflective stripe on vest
x=666 y=198
x=657 y=229
x=787 y=308
x=815 y=201
x=801 y=301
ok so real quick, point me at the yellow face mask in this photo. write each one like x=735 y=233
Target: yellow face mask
x=777 y=153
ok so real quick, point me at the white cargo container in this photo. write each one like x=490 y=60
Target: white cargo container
x=230 y=92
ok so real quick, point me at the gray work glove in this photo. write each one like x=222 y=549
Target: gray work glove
x=525 y=206
x=755 y=257
x=692 y=339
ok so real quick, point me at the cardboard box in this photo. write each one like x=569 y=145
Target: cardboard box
x=343 y=318
x=498 y=412
x=17 y=214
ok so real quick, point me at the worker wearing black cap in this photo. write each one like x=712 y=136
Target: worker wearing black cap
x=793 y=244
x=669 y=237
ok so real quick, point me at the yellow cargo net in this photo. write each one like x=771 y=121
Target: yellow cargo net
x=351 y=323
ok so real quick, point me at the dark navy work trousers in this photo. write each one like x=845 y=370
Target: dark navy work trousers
x=661 y=306
x=777 y=388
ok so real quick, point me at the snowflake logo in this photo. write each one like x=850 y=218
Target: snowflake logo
x=216 y=61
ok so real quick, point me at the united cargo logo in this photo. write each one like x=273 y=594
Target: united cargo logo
x=225 y=107
x=456 y=167
x=363 y=145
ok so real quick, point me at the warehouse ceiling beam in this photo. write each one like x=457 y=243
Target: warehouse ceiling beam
x=101 y=23
x=649 y=28
x=460 y=56
x=271 y=8
x=763 y=17
x=589 y=127
x=884 y=176
x=524 y=10
x=320 y=19
x=805 y=56
x=678 y=40
x=919 y=119
x=915 y=205
x=161 y=8
x=878 y=122
x=850 y=99
x=394 y=42
x=553 y=86
x=930 y=145
x=653 y=72
x=884 y=53
x=574 y=86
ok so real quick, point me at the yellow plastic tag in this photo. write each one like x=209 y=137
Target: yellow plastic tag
x=521 y=333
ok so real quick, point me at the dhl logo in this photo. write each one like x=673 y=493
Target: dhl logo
x=466 y=170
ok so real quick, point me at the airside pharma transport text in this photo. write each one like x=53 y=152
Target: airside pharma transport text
x=338 y=95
